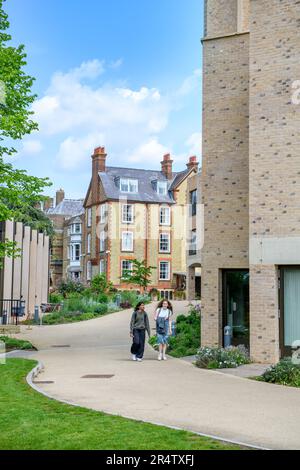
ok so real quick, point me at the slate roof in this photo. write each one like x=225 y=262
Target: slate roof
x=147 y=192
x=68 y=208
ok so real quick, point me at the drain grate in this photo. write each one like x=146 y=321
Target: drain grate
x=106 y=376
x=61 y=346
x=44 y=382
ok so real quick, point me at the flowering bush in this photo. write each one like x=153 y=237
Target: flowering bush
x=283 y=373
x=220 y=358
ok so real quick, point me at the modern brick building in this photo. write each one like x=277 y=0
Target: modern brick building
x=251 y=175
x=137 y=214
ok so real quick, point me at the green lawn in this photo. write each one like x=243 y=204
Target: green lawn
x=29 y=420
x=13 y=344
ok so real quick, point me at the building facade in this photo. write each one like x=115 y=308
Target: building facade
x=60 y=214
x=72 y=248
x=25 y=277
x=251 y=178
x=137 y=214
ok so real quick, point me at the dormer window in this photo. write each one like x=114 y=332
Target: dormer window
x=162 y=188
x=128 y=185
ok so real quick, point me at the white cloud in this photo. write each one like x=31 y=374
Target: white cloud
x=70 y=105
x=31 y=147
x=73 y=152
x=194 y=143
x=151 y=152
x=82 y=111
x=190 y=84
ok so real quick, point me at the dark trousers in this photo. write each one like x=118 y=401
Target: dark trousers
x=139 y=338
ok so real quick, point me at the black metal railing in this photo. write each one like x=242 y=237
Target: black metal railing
x=11 y=311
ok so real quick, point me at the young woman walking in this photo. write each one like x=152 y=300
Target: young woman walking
x=163 y=321
x=138 y=326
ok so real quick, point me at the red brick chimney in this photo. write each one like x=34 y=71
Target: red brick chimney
x=98 y=166
x=193 y=163
x=48 y=204
x=167 y=166
x=60 y=196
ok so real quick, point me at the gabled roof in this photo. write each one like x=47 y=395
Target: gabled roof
x=68 y=208
x=146 y=179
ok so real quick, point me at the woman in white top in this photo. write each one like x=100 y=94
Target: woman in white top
x=163 y=321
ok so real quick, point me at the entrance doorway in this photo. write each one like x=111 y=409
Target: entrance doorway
x=289 y=308
x=236 y=305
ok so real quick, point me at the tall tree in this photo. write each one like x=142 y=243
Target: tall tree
x=19 y=192
x=140 y=274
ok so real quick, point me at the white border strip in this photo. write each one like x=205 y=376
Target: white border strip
x=36 y=371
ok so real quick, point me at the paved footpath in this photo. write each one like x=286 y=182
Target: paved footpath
x=174 y=393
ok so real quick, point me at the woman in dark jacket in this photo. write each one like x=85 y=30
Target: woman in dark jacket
x=138 y=326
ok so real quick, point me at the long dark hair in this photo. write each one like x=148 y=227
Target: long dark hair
x=138 y=306
x=170 y=306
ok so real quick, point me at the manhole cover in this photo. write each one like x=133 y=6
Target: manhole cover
x=60 y=346
x=97 y=377
x=43 y=382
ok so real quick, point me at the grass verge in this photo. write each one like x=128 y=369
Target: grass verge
x=29 y=421
x=12 y=344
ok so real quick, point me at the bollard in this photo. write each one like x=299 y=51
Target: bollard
x=36 y=315
x=227 y=336
x=173 y=328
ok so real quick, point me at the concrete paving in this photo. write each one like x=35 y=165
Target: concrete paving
x=174 y=393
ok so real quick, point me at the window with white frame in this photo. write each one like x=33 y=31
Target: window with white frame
x=164 y=271
x=165 y=216
x=76 y=228
x=102 y=241
x=102 y=266
x=126 y=267
x=89 y=217
x=103 y=213
x=162 y=188
x=127 y=241
x=164 y=243
x=127 y=214
x=129 y=185
x=89 y=271
x=75 y=252
x=89 y=243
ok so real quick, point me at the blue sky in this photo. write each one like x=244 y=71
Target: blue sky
x=121 y=73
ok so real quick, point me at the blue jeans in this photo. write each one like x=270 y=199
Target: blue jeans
x=139 y=338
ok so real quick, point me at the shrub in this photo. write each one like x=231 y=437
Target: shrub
x=220 y=358
x=187 y=339
x=101 y=309
x=125 y=305
x=129 y=297
x=283 y=373
x=55 y=298
x=100 y=284
x=70 y=287
x=103 y=298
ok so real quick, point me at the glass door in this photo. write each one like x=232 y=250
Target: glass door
x=236 y=305
x=290 y=309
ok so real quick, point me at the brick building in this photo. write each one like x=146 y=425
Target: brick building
x=60 y=214
x=137 y=214
x=251 y=175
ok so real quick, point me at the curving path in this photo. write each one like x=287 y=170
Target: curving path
x=173 y=393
